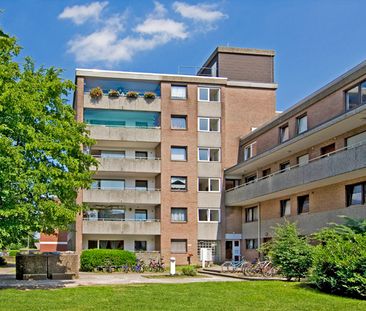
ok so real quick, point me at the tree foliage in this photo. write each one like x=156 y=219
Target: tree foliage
x=289 y=252
x=42 y=165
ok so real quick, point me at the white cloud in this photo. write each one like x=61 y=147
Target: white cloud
x=166 y=27
x=199 y=12
x=79 y=14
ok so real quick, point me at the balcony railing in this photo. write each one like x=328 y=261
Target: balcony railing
x=98 y=156
x=121 y=219
x=125 y=188
x=340 y=150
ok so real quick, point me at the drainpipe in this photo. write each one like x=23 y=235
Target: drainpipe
x=259 y=225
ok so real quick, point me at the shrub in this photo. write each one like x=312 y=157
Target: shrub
x=96 y=92
x=340 y=262
x=14 y=252
x=189 y=271
x=113 y=93
x=92 y=258
x=132 y=94
x=2 y=261
x=149 y=95
x=291 y=254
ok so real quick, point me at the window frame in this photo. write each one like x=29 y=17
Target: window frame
x=359 y=96
x=176 y=117
x=179 y=190
x=248 y=242
x=298 y=118
x=300 y=209
x=176 y=241
x=251 y=148
x=209 y=184
x=185 y=148
x=208 y=124
x=208 y=213
x=178 y=98
x=254 y=214
x=363 y=193
x=282 y=170
x=140 y=250
x=209 y=154
x=283 y=208
x=281 y=128
x=178 y=221
x=209 y=95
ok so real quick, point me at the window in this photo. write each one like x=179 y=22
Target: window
x=178 y=214
x=178 y=92
x=209 y=154
x=356 y=139
x=112 y=154
x=140 y=246
x=178 y=183
x=231 y=183
x=251 y=243
x=251 y=214
x=356 y=96
x=302 y=124
x=324 y=151
x=356 y=194
x=178 y=246
x=92 y=244
x=178 y=122
x=178 y=153
x=141 y=185
x=207 y=244
x=250 y=178
x=111 y=244
x=140 y=214
x=111 y=214
x=141 y=124
x=284 y=166
x=248 y=151
x=302 y=160
x=266 y=172
x=208 y=94
x=303 y=204
x=209 y=184
x=208 y=215
x=285 y=207
x=209 y=124
x=141 y=155
x=284 y=133
x=108 y=184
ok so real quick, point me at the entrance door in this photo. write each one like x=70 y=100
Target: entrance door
x=232 y=250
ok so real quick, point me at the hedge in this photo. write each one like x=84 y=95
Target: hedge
x=92 y=258
x=13 y=252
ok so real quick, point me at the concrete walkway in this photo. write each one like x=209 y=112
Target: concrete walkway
x=7 y=280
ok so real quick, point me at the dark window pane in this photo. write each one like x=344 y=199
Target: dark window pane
x=352 y=98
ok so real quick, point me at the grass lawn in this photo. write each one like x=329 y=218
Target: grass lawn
x=195 y=296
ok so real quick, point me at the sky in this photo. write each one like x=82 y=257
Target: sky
x=315 y=40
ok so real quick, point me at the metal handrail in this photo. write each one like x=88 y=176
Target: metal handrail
x=126 y=126
x=116 y=219
x=126 y=188
x=98 y=156
x=299 y=165
x=123 y=94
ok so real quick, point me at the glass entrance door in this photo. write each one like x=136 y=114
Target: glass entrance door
x=232 y=250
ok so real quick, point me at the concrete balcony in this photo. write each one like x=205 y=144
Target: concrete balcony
x=131 y=227
x=122 y=102
x=148 y=167
x=125 y=136
x=341 y=165
x=124 y=197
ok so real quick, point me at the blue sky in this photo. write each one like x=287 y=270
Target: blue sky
x=315 y=40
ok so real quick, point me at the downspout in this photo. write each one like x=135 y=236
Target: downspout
x=259 y=226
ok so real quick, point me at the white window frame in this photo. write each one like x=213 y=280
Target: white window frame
x=208 y=210
x=209 y=99
x=209 y=184
x=298 y=121
x=208 y=127
x=209 y=151
x=249 y=147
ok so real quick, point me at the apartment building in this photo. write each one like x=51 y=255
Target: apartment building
x=162 y=159
x=307 y=165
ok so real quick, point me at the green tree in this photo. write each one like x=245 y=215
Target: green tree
x=42 y=165
x=289 y=252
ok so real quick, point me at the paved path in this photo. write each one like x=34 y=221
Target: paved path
x=7 y=280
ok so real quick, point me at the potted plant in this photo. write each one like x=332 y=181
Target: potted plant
x=132 y=94
x=149 y=95
x=96 y=92
x=113 y=94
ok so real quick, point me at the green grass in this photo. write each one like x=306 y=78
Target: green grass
x=195 y=296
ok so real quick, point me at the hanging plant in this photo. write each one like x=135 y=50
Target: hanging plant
x=132 y=94
x=149 y=95
x=96 y=92
x=113 y=93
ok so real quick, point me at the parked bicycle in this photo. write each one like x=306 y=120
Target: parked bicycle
x=264 y=268
x=156 y=265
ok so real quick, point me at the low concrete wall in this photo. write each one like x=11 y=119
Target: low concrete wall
x=46 y=265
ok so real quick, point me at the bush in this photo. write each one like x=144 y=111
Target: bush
x=14 y=252
x=2 y=261
x=96 y=92
x=113 y=93
x=189 y=271
x=92 y=258
x=340 y=264
x=149 y=95
x=291 y=254
x=132 y=94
